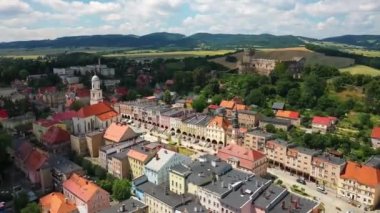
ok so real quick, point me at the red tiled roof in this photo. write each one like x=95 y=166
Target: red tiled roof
x=35 y=160
x=50 y=89
x=212 y=106
x=240 y=107
x=82 y=93
x=118 y=133
x=288 y=114
x=96 y=109
x=46 y=123
x=227 y=104
x=220 y=122
x=247 y=157
x=376 y=133
x=55 y=202
x=363 y=174
x=82 y=188
x=323 y=120
x=64 y=116
x=3 y=114
x=55 y=135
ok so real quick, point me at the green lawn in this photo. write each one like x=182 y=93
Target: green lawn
x=185 y=151
x=364 y=52
x=171 y=54
x=361 y=69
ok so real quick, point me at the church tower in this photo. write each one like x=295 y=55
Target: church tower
x=96 y=92
x=235 y=137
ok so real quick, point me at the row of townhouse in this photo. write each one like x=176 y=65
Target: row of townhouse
x=217 y=187
x=353 y=181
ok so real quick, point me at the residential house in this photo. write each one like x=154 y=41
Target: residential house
x=139 y=156
x=299 y=160
x=195 y=126
x=87 y=196
x=248 y=119
x=157 y=170
x=375 y=137
x=33 y=164
x=234 y=104
x=56 y=170
x=141 y=185
x=12 y=122
x=278 y=106
x=323 y=124
x=56 y=202
x=65 y=118
x=132 y=205
x=56 y=140
x=119 y=132
x=244 y=158
x=276 y=151
x=118 y=165
x=257 y=139
x=326 y=169
x=3 y=114
x=360 y=184
x=216 y=130
x=292 y=116
x=277 y=123
x=41 y=126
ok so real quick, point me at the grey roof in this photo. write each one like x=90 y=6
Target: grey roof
x=335 y=160
x=247 y=112
x=163 y=157
x=278 y=105
x=162 y=193
x=62 y=164
x=307 y=151
x=374 y=161
x=199 y=119
x=288 y=203
x=129 y=206
x=172 y=112
x=121 y=155
x=270 y=195
x=192 y=206
x=245 y=192
x=220 y=186
x=261 y=133
x=142 y=184
x=284 y=143
x=276 y=121
x=181 y=169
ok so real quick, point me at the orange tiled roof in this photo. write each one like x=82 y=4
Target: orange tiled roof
x=81 y=187
x=240 y=107
x=247 y=157
x=363 y=174
x=107 y=115
x=55 y=202
x=227 y=104
x=118 y=132
x=220 y=122
x=137 y=155
x=376 y=133
x=288 y=114
x=96 y=109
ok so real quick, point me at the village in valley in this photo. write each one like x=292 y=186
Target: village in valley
x=160 y=153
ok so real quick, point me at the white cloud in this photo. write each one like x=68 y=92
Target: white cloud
x=12 y=7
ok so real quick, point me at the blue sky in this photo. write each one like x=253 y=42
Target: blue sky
x=48 y=19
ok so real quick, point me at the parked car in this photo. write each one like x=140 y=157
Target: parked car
x=301 y=181
x=321 y=190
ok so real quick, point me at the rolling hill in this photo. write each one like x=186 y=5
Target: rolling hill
x=366 y=41
x=161 y=40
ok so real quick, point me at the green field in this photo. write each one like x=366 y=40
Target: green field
x=361 y=69
x=364 y=52
x=170 y=54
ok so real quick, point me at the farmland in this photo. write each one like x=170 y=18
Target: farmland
x=361 y=69
x=170 y=54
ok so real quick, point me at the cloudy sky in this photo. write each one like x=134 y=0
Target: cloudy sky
x=41 y=19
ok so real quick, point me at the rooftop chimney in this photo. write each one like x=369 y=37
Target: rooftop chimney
x=283 y=205
x=122 y=208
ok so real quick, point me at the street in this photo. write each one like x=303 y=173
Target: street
x=330 y=201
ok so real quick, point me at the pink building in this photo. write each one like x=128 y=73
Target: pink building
x=87 y=196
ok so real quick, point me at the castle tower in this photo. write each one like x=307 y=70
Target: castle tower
x=235 y=137
x=96 y=92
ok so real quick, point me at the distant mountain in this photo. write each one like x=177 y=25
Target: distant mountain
x=161 y=40
x=367 y=41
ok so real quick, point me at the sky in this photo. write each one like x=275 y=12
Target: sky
x=49 y=19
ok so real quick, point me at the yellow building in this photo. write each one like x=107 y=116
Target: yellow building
x=139 y=156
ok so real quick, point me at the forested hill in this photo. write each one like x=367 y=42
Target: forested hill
x=162 y=40
x=367 y=41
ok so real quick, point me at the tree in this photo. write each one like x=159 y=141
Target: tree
x=270 y=128
x=5 y=141
x=121 y=189
x=20 y=201
x=23 y=74
x=256 y=97
x=167 y=97
x=100 y=172
x=372 y=94
x=106 y=184
x=31 y=208
x=199 y=104
x=76 y=105
x=216 y=99
x=293 y=96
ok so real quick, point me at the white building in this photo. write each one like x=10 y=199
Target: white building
x=96 y=91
